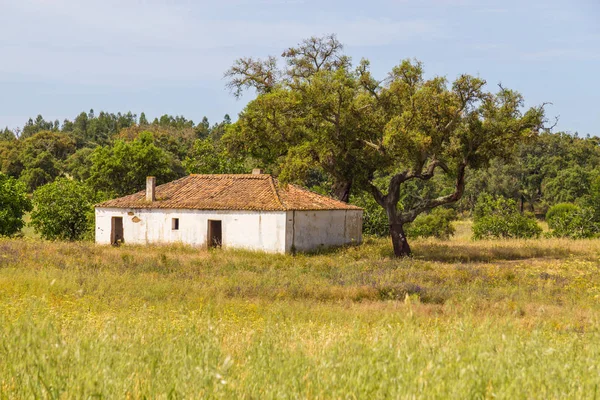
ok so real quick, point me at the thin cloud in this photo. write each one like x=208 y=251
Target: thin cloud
x=119 y=42
x=121 y=25
x=561 y=54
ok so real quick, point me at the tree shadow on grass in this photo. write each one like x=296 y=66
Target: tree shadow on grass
x=451 y=251
x=490 y=251
x=330 y=250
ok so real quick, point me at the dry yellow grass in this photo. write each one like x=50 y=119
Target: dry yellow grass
x=460 y=319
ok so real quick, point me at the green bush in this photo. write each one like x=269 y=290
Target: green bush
x=499 y=217
x=592 y=200
x=64 y=210
x=13 y=204
x=438 y=223
x=559 y=211
x=375 y=221
x=572 y=221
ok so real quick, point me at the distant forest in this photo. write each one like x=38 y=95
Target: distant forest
x=113 y=153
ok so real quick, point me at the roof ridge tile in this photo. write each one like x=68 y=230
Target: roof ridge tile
x=276 y=192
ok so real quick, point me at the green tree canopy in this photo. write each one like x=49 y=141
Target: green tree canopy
x=554 y=168
x=143 y=119
x=499 y=217
x=592 y=200
x=357 y=128
x=90 y=130
x=7 y=135
x=42 y=156
x=64 y=210
x=122 y=168
x=39 y=124
x=10 y=160
x=208 y=157
x=14 y=203
x=78 y=165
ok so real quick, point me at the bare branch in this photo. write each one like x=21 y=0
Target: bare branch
x=313 y=55
x=556 y=118
x=554 y=124
x=246 y=73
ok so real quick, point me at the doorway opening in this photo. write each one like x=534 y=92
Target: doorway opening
x=116 y=231
x=215 y=233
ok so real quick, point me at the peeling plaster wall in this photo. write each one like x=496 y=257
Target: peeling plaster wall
x=255 y=230
x=309 y=230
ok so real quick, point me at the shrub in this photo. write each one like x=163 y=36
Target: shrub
x=499 y=217
x=13 y=204
x=559 y=211
x=375 y=221
x=592 y=200
x=438 y=223
x=571 y=221
x=64 y=210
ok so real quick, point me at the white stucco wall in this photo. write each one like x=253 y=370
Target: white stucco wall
x=309 y=230
x=276 y=232
x=256 y=230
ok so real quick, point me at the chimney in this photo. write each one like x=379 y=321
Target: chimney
x=257 y=171
x=150 y=186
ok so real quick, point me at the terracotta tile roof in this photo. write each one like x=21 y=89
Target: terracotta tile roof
x=230 y=192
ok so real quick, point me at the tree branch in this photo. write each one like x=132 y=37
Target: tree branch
x=374 y=146
x=393 y=195
x=428 y=204
x=377 y=195
x=429 y=172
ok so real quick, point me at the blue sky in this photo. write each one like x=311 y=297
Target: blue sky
x=61 y=57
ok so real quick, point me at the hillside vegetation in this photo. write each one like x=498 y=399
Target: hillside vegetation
x=508 y=319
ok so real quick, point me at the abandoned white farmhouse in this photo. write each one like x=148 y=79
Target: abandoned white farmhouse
x=244 y=211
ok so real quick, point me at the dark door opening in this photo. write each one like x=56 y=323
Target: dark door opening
x=116 y=231
x=215 y=233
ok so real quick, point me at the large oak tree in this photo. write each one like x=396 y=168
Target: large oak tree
x=320 y=112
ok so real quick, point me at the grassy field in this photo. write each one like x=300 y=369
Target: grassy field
x=507 y=319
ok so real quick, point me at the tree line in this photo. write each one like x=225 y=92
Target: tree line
x=67 y=167
x=111 y=152
x=401 y=146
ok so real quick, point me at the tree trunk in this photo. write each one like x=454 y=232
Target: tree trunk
x=341 y=190
x=522 y=204
x=401 y=247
